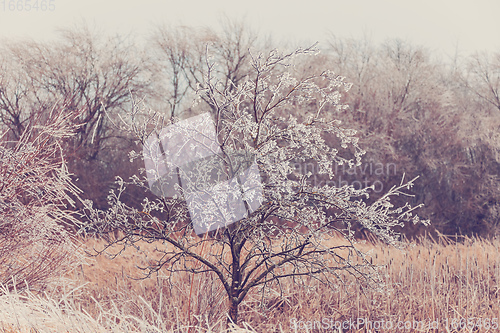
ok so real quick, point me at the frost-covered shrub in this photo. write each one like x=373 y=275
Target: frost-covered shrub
x=35 y=190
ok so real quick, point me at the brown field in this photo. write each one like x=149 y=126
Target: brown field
x=433 y=283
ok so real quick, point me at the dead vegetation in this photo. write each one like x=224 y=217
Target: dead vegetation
x=432 y=280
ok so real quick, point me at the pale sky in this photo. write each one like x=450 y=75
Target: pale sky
x=440 y=25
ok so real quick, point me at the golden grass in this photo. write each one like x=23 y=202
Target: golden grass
x=431 y=281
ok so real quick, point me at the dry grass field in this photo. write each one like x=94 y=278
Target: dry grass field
x=432 y=286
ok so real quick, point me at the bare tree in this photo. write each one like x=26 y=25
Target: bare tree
x=92 y=75
x=484 y=78
x=230 y=202
x=358 y=60
x=178 y=63
x=478 y=96
x=412 y=112
x=20 y=101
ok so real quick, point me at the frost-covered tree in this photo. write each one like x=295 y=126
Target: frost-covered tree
x=230 y=200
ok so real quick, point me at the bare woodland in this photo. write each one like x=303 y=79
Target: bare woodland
x=350 y=141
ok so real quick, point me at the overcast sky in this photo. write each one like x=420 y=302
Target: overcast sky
x=440 y=25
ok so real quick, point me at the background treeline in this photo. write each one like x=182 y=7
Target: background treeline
x=416 y=115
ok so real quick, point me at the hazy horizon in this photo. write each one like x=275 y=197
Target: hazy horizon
x=443 y=27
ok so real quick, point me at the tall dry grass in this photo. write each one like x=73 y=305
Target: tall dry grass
x=430 y=281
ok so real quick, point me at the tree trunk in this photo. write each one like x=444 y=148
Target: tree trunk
x=233 y=311
x=234 y=291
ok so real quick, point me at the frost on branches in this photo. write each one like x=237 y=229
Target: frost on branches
x=35 y=191
x=226 y=178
